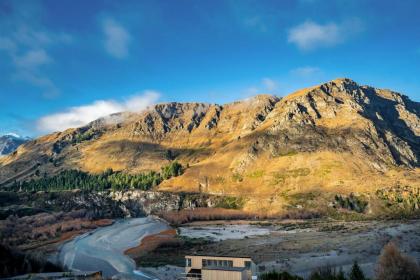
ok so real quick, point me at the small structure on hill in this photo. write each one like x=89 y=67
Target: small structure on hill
x=219 y=268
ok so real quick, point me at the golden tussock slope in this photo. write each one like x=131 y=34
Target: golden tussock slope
x=338 y=137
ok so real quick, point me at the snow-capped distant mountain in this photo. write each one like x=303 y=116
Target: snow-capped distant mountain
x=10 y=142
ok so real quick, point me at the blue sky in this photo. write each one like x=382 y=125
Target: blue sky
x=64 y=63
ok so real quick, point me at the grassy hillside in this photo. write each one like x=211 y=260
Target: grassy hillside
x=296 y=152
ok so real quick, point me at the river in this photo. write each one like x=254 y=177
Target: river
x=103 y=249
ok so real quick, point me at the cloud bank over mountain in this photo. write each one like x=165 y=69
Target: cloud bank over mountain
x=81 y=115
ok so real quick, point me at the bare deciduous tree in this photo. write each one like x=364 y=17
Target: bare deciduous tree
x=393 y=265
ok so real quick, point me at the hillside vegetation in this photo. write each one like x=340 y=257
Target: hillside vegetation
x=300 y=151
x=109 y=179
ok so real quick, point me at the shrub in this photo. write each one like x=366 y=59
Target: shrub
x=301 y=214
x=205 y=214
x=281 y=176
x=402 y=201
x=236 y=177
x=274 y=275
x=230 y=202
x=327 y=273
x=393 y=265
x=356 y=273
x=351 y=202
x=172 y=170
x=256 y=174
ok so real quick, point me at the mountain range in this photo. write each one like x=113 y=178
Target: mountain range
x=10 y=142
x=301 y=150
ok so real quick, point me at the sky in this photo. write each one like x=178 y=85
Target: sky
x=65 y=63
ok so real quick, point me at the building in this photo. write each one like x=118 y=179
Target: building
x=219 y=268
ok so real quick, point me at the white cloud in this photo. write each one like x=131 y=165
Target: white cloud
x=82 y=115
x=255 y=22
x=117 y=38
x=251 y=91
x=311 y=35
x=269 y=84
x=266 y=86
x=27 y=43
x=306 y=71
x=32 y=59
x=48 y=87
x=28 y=65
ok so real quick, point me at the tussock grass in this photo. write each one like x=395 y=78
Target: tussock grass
x=281 y=176
x=256 y=174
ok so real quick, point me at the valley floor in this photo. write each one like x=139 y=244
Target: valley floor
x=294 y=246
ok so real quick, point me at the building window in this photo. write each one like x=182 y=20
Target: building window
x=217 y=263
x=188 y=262
x=248 y=264
x=206 y=263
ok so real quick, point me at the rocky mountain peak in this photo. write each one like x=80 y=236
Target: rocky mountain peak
x=10 y=142
x=343 y=81
x=374 y=129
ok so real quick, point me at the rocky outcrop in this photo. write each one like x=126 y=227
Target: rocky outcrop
x=100 y=205
x=143 y=203
x=344 y=117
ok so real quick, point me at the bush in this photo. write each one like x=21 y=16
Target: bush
x=402 y=201
x=330 y=273
x=356 y=273
x=301 y=214
x=327 y=273
x=351 y=202
x=236 y=177
x=230 y=202
x=205 y=214
x=273 y=275
x=393 y=265
x=172 y=170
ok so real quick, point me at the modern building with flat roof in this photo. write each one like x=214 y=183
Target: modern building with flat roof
x=219 y=268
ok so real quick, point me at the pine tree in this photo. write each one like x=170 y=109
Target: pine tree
x=356 y=273
x=340 y=275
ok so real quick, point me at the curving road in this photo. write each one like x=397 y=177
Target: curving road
x=103 y=249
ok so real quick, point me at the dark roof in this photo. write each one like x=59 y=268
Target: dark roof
x=224 y=268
